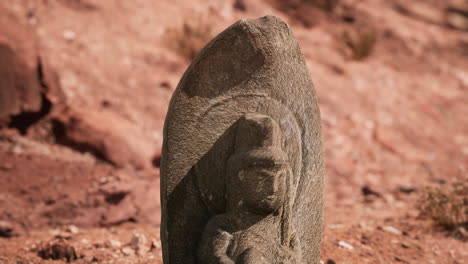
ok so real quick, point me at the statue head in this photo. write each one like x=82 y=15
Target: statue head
x=259 y=168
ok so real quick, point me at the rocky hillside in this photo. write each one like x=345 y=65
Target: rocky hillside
x=85 y=85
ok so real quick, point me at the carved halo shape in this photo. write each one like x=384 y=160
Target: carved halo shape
x=290 y=142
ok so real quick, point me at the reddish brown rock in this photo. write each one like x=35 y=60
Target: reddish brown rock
x=28 y=85
x=6 y=229
x=107 y=136
x=20 y=87
x=58 y=251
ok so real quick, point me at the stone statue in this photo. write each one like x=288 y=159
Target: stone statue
x=242 y=166
x=257 y=210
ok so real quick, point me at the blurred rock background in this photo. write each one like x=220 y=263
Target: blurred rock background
x=85 y=84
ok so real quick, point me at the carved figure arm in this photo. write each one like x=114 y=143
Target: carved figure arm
x=215 y=242
x=251 y=256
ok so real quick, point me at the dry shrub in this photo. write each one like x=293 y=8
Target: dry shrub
x=188 y=39
x=447 y=205
x=361 y=43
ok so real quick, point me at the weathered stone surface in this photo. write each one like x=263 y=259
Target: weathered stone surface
x=242 y=165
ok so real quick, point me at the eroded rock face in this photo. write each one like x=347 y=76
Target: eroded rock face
x=106 y=135
x=28 y=85
x=242 y=165
x=20 y=86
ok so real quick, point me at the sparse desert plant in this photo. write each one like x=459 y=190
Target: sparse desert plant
x=188 y=39
x=447 y=205
x=360 y=42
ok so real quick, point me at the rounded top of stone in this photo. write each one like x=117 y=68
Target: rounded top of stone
x=263 y=21
x=237 y=54
x=268 y=28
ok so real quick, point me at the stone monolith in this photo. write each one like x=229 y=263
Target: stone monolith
x=242 y=165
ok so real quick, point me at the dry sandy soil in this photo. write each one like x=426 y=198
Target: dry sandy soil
x=79 y=177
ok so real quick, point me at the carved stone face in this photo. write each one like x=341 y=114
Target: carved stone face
x=262 y=189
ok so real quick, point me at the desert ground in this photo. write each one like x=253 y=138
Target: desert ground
x=85 y=85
